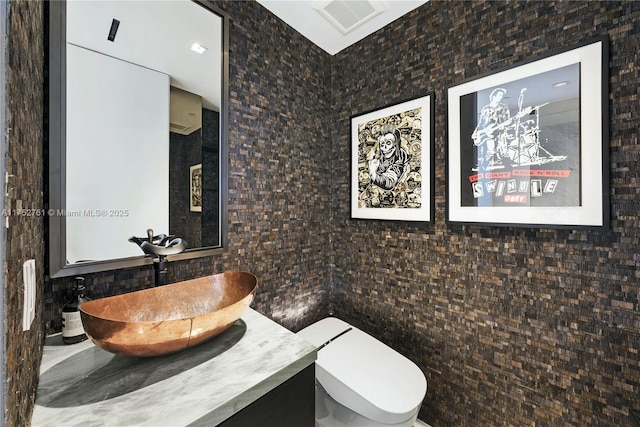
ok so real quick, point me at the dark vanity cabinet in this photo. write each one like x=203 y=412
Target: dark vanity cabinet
x=290 y=404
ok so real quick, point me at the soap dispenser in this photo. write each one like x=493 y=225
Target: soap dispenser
x=72 y=330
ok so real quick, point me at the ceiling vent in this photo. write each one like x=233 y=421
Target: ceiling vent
x=185 y=111
x=347 y=15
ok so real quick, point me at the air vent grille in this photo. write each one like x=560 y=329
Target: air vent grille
x=176 y=126
x=349 y=15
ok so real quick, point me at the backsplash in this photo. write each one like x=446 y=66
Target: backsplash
x=513 y=327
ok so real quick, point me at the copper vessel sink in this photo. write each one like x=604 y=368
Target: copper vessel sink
x=168 y=318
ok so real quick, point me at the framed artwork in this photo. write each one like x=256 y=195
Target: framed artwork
x=528 y=146
x=195 y=188
x=392 y=162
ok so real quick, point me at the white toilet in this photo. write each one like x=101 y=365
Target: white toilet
x=361 y=382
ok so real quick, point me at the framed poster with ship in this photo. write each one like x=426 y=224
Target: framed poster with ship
x=528 y=146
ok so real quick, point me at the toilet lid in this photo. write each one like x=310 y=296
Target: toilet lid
x=365 y=375
x=324 y=331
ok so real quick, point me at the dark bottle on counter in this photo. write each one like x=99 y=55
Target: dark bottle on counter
x=72 y=330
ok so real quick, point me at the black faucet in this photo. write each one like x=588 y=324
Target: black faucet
x=158 y=248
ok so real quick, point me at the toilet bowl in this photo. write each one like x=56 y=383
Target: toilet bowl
x=361 y=382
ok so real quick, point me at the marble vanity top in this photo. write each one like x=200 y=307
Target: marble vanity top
x=83 y=385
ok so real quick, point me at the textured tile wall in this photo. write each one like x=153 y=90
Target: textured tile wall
x=514 y=327
x=511 y=326
x=279 y=127
x=25 y=230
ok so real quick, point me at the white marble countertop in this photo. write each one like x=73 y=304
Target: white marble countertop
x=83 y=385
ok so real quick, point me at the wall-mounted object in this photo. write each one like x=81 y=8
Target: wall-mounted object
x=195 y=188
x=152 y=36
x=29 y=295
x=392 y=162
x=528 y=146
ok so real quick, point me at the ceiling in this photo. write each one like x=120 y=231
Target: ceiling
x=155 y=35
x=142 y=37
x=334 y=25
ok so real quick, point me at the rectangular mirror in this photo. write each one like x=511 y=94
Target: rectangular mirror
x=137 y=130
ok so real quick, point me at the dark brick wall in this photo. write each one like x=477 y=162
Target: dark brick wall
x=511 y=326
x=184 y=152
x=279 y=227
x=210 y=178
x=25 y=228
x=518 y=327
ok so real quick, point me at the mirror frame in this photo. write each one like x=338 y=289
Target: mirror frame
x=56 y=247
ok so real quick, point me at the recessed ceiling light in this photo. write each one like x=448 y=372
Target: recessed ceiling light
x=560 y=84
x=198 y=48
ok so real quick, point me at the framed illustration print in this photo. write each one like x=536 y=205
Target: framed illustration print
x=528 y=146
x=392 y=162
x=195 y=188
